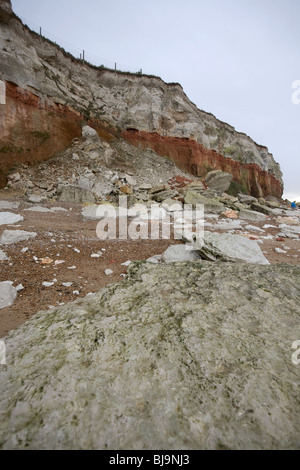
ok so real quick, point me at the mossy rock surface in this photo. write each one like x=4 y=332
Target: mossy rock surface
x=194 y=355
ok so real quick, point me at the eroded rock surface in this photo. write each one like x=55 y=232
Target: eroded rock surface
x=183 y=356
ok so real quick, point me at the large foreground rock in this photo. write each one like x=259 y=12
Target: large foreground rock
x=179 y=356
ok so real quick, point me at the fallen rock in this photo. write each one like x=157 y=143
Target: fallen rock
x=145 y=187
x=226 y=247
x=163 y=195
x=85 y=183
x=288 y=220
x=255 y=206
x=38 y=209
x=3 y=256
x=210 y=205
x=170 y=205
x=179 y=253
x=219 y=181
x=36 y=199
x=9 y=237
x=8 y=205
x=253 y=228
x=230 y=214
x=246 y=199
x=8 y=218
x=232 y=224
x=8 y=294
x=252 y=215
x=88 y=132
x=179 y=356
x=73 y=194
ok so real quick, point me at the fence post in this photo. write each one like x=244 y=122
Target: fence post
x=40 y=31
x=83 y=56
x=115 y=67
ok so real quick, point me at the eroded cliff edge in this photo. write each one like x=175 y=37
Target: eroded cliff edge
x=48 y=94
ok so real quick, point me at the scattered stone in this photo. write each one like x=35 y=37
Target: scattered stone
x=230 y=214
x=85 y=183
x=286 y=220
x=210 y=205
x=8 y=205
x=170 y=205
x=98 y=211
x=58 y=209
x=153 y=260
x=279 y=250
x=159 y=189
x=88 y=132
x=228 y=225
x=38 y=209
x=127 y=263
x=58 y=262
x=67 y=284
x=14 y=178
x=108 y=272
x=179 y=253
x=75 y=195
x=48 y=284
x=163 y=195
x=9 y=237
x=246 y=199
x=3 y=256
x=255 y=206
x=8 y=294
x=253 y=228
x=8 y=218
x=36 y=199
x=46 y=260
x=145 y=187
x=252 y=215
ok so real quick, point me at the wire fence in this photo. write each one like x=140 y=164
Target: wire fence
x=78 y=53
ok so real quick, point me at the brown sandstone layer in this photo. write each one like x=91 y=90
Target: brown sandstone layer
x=33 y=129
x=193 y=157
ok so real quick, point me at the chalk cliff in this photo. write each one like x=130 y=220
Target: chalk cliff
x=49 y=93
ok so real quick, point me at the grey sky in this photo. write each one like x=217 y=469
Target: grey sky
x=234 y=58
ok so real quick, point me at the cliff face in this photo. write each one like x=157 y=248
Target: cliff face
x=49 y=94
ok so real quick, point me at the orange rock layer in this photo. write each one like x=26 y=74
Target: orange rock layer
x=194 y=158
x=33 y=130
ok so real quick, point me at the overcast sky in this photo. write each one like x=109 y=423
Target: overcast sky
x=236 y=59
